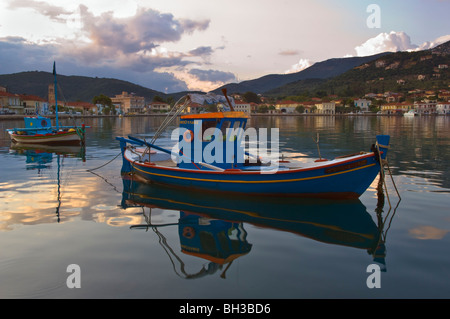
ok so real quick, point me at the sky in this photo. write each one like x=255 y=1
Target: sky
x=176 y=45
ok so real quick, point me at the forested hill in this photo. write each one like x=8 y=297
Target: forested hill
x=397 y=72
x=72 y=88
x=320 y=70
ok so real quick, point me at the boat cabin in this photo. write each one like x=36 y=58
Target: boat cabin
x=36 y=125
x=213 y=138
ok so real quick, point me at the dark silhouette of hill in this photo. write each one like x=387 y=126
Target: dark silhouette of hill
x=72 y=88
x=320 y=70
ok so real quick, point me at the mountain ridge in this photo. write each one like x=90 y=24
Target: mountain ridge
x=319 y=70
x=73 y=87
x=400 y=71
x=322 y=75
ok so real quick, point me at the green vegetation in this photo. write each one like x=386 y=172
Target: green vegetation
x=396 y=72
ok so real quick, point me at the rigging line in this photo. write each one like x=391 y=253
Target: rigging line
x=93 y=169
x=176 y=110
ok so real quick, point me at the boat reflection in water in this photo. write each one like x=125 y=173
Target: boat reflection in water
x=211 y=225
x=40 y=157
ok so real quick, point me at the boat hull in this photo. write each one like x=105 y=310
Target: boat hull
x=70 y=137
x=348 y=178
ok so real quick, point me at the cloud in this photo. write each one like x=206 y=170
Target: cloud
x=212 y=75
x=301 y=65
x=393 y=42
x=130 y=48
x=51 y=11
x=201 y=51
x=143 y=31
x=436 y=42
x=289 y=52
x=386 y=42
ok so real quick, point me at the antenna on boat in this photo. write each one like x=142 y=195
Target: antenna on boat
x=224 y=91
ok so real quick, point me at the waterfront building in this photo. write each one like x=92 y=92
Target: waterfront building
x=10 y=102
x=159 y=107
x=33 y=104
x=425 y=107
x=326 y=107
x=129 y=103
x=82 y=107
x=286 y=106
x=195 y=108
x=243 y=107
x=443 y=108
x=396 y=107
x=363 y=104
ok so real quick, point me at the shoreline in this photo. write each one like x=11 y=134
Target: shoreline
x=65 y=116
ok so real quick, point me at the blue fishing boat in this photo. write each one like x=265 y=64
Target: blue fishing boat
x=210 y=155
x=39 y=130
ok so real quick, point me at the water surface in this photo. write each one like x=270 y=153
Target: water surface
x=66 y=206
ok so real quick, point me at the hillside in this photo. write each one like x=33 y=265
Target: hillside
x=320 y=70
x=398 y=72
x=72 y=88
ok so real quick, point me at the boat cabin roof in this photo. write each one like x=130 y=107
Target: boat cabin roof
x=216 y=115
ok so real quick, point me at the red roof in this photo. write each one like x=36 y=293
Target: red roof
x=7 y=94
x=31 y=97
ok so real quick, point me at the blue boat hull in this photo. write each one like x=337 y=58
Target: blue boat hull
x=347 y=180
x=347 y=177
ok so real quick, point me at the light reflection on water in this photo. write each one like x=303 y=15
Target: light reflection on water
x=44 y=228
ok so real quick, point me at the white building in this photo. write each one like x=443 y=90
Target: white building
x=363 y=104
x=242 y=107
x=326 y=108
x=443 y=108
x=425 y=107
x=159 y=107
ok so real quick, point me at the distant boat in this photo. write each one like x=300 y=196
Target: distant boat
x=343 y=177
x=410 y=113
x=38 y=130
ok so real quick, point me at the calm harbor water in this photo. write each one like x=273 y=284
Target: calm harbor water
x=61 y=207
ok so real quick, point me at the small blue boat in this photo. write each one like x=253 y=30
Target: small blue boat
x=39 y=131
x=219 y=162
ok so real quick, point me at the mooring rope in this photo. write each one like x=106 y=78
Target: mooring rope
x=93 y=169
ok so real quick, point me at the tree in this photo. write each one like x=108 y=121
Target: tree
x=106 y=103
x=157 y=98
x=251 y=97
x=300 y=109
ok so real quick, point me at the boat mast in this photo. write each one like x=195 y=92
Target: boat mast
x=56 y=99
